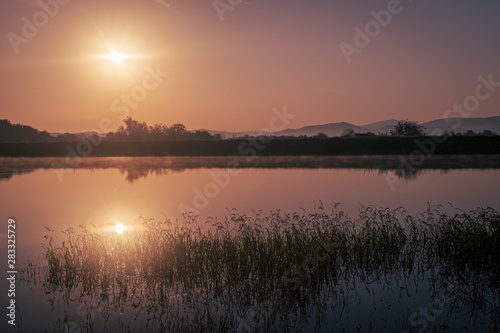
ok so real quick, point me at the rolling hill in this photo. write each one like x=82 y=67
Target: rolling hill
x=335 y=129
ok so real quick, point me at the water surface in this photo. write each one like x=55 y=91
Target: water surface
x=37 y=193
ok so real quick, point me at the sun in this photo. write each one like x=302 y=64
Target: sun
x=119 y=228
x=116 y=56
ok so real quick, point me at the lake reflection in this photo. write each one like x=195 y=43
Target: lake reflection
x=308 y=272
x=106 y=191
x=138 y=167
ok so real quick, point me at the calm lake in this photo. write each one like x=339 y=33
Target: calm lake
x=37 y=193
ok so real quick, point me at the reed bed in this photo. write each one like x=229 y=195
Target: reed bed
x=277 y=270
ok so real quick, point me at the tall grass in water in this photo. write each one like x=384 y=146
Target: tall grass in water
x=282 y=268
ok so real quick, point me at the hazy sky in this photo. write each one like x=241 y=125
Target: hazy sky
x=229 y=74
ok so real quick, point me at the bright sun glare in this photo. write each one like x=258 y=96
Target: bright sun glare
x=116 y=56
x=119 y=228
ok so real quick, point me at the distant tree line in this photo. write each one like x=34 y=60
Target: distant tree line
x=472 y=133
x=404 y=128
x=412 y=128
x=17 y=133
x=407 y=128
x=134 y=130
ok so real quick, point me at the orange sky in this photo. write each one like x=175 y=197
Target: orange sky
x=230 y=74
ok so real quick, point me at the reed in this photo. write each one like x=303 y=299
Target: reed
x=279 y=266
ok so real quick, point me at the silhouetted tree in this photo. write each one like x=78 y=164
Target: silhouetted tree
x=347 y=133
x=321 y=135
x=177 y=131
x=137 y=131
x=407 y=128
x=487 y=133
x=158 y=131
x=15 y=132
x=133 y=129
x=470 y=133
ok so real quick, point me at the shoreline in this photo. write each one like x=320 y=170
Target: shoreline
x=251 y=147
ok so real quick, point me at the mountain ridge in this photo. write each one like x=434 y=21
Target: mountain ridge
x=478 y=124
